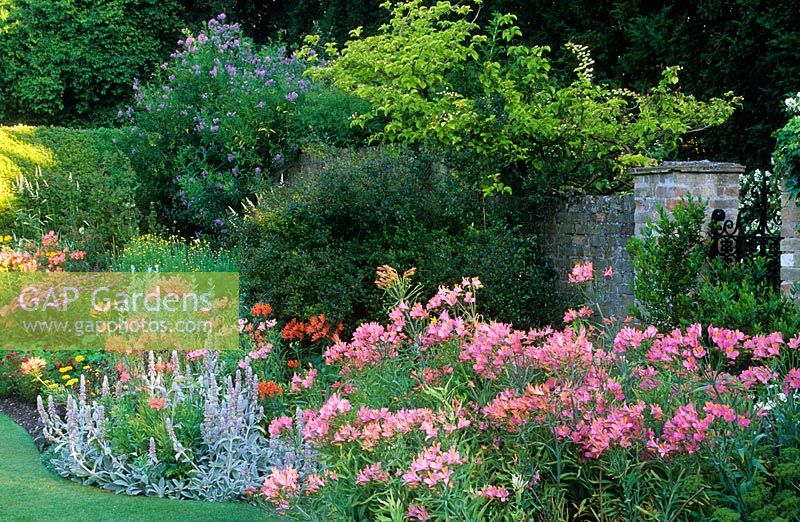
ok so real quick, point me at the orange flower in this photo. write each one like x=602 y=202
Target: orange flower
x=294 y=330
x=157 y=403
x=293 y=363
x=32 y=365
x=269 y=389
x=261 y=310
x=386 y=276
x=318 y=328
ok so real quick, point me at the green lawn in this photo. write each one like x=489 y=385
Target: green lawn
x=28 y=492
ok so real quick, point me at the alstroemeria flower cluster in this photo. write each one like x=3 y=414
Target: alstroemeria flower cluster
x=281 y=486
x=371 y=426
x=494 y=492
x=432 y=467
x=372 y=473
x=303 y=383
x=48 y=256
x=581 y=273
x=636 y=394
x=371 y=344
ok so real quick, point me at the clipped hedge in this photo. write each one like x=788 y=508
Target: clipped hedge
x=68 y=180
x=72 y=62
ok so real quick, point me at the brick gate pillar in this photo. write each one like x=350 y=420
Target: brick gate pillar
x=790 y=242
x=666 y=184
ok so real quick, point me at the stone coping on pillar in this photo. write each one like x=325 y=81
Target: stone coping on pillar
x=690 y=167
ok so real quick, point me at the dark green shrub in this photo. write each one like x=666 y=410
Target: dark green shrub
x=740 y=297
x=677 y=285
x=74 y=182
x=65 y=61
x=313 y=245
x=667 y=260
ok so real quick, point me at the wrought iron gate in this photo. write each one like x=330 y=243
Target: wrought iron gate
x=756 y=231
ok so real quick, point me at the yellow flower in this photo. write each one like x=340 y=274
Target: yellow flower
x=52 y=386
x=87 y=367
x=65 y=369
x=71 y=382
x=79 y=358
x=66 y=377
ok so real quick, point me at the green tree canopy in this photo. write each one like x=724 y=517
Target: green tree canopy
x=438 y=79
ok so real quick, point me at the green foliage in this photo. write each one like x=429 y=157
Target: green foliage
x=667 y=260
x=631 y=42
x=440 y=80
x=740 y=297
x=676 y=285
x=74 y=182
x=314 y=244
x=787 y=151
x=324 y=118
x=138 y=422
x=150 y=253
x=70 y=61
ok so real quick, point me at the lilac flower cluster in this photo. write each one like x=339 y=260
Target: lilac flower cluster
x=219 y=109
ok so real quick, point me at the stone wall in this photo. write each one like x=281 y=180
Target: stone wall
x=595 y=228
x=598 y=228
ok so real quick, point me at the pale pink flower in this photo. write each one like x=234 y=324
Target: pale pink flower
x=757 y=374
x=372 y=473
x=303 y=383
x=494 y=492
x=418 y=512
x=280 y=486
x=313 y=483
x=279 y=425
x=262 y=352
x=195 y=354
x=727 y=340
x=50 y=239
x=581 y=273
x=432 y=466
x=792 y=379
x=765 y=346
x=572 y=315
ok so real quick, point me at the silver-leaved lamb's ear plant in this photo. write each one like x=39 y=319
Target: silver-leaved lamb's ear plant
x=228 y=455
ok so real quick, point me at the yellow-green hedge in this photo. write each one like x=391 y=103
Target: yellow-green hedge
x=73 y=181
